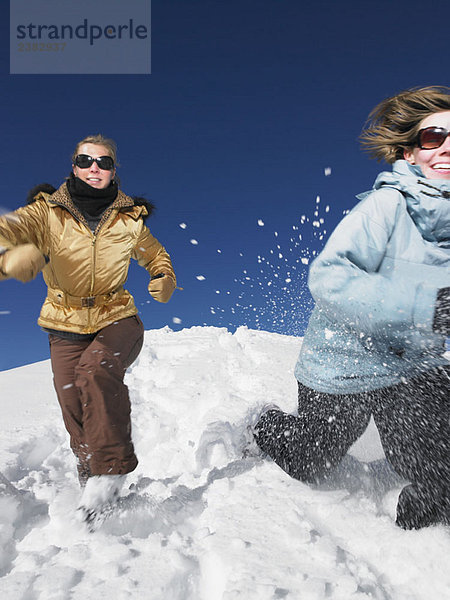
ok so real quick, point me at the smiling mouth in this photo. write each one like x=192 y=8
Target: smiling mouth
x=442 y=166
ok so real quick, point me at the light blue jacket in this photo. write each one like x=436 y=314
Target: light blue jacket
x=375 y=285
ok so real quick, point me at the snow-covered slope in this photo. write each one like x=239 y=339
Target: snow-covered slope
x=199 y=522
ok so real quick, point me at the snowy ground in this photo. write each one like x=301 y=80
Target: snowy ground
x=198 y=522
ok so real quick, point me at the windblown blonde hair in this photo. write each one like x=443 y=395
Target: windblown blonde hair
x=393 y=125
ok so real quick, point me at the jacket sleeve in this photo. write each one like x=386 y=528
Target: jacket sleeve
x=22 y=262
x=24 y=226
x=345 y=281
x=151 y=255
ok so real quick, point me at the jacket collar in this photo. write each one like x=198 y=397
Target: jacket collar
x=62 y=198
x=427 y=200
x=410 y=179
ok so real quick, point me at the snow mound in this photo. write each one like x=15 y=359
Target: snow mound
x=196 y=521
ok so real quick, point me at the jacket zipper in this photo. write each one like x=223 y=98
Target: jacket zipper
x=93 y=258
x=93 y=246
x=94 y=239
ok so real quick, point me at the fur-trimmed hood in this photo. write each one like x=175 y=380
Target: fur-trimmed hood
x=48 y=188
x=140 y=201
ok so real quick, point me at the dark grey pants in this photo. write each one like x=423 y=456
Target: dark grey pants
x=413 y=419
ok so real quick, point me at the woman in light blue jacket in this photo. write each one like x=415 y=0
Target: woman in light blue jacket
x=375 y=341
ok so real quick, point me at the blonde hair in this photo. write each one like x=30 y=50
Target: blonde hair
x=101 y=141
x=393 y=125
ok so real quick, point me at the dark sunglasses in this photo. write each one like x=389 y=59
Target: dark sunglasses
x=84 y=161
x=432 y=137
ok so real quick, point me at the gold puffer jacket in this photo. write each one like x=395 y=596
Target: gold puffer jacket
x=86 y=271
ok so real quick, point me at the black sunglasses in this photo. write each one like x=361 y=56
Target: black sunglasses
x=432 y=137
x=84 y=161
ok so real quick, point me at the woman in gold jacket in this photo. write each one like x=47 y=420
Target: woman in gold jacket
x=88 y=230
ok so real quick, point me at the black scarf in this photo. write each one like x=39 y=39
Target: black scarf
x=90 y=201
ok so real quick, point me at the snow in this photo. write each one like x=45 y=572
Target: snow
x=197 y=521
x=259 y=303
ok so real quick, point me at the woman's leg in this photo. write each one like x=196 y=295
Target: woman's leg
x=88 y=378
x=104 y=396
x=308 y=445
x=65 y=355
x=413 y=419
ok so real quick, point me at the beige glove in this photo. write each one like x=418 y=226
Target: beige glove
x=161 y=288
x=22 y=263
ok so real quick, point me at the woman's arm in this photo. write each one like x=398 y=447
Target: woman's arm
x=151 y=255
x=26 y=225
x=345 y=282
x=22 y=235
x=22 y=262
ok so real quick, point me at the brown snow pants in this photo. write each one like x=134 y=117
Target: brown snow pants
x=88 y=377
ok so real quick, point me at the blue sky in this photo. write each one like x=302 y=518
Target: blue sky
x=248 y=107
